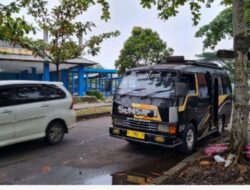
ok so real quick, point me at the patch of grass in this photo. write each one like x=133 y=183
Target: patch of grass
x=95 y=93
x=85 y=99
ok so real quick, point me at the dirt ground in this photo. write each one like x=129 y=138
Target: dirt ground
x=212 y=174
x=205 y=171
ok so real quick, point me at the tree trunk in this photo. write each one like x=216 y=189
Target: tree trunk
x=240 y=109
x=57 y=72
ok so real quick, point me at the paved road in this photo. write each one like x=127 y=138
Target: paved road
x=87 y=156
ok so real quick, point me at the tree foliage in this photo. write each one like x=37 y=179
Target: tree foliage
x=169 y=8
x=219 y=28
x=143 y=47
x=12 y=28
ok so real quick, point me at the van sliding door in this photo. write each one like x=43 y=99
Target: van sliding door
x=203 y=114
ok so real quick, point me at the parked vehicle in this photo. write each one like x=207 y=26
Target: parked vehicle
x=174 y=104
x=31 y=110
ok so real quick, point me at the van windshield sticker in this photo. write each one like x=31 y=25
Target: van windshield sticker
x=141 y=111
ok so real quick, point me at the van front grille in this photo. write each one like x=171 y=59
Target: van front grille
x=134 y=124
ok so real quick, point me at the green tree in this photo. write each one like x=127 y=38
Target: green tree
x=143 y=47
x=241 y=18
x=61 y=23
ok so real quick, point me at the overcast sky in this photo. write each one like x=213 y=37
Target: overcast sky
x=178 y=31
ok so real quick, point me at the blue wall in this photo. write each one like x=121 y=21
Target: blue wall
x=19 y=76
x=9 y=76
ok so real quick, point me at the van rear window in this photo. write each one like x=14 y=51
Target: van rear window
x=53 y=92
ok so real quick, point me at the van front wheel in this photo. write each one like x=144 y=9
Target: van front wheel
x=189 y=139
x=55 y=133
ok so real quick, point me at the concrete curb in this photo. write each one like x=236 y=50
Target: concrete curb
x=77 y=109
x=175 y=169
x=92 y=116
x=86 y=106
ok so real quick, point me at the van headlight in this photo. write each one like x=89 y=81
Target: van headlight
x=163 y=128
x=117 y=121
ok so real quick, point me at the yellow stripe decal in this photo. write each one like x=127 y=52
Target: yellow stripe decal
x=221 y=99
x=204 y=121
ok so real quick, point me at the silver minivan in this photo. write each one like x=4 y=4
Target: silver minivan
x=32 y=109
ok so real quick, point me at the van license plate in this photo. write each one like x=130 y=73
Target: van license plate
x=135 y=134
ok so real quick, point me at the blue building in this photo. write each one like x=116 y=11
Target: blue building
x=78 y=75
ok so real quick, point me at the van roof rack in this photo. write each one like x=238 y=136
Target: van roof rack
x=181 y=60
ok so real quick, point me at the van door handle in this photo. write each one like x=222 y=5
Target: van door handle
x=45 y=106
x=6 y=111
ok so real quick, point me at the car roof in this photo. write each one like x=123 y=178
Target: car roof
x=12 y=82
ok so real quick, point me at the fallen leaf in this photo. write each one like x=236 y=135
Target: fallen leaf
x=204 y=163
x=243 y=169
x=45 y=169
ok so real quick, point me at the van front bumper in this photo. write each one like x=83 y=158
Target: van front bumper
x=149 y=138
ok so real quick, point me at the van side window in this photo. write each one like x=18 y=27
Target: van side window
x=6 y=97
x=203 y=87
x=220 y=86
x=227 y=86
x=53 y=92
x=189 y=79
x=29 y=94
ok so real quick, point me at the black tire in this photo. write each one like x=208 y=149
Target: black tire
x=220 y=127
x=189 y=139
x=55 y=132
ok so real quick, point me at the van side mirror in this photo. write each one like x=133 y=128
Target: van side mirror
x=181 y=89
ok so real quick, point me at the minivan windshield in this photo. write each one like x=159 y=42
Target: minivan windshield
x=150 y=81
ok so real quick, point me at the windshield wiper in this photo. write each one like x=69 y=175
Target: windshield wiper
x=137 y=89
x=156 y=92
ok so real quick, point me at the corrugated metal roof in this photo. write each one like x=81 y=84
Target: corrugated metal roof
x=31 y=58
x=15 y=63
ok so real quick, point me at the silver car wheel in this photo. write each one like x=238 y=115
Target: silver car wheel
x=55 y=133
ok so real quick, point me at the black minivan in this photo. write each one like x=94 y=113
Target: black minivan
x=173 y=104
